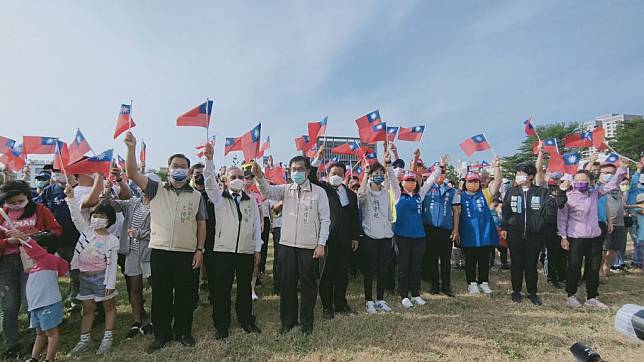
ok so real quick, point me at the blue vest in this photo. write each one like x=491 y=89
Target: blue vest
x=409 y=217
x=437 y=207
x=477 y=227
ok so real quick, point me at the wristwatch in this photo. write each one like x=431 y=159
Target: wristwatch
x=203 y=250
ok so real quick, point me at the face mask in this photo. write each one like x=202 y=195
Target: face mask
x=623 y=188
x=378 y=179
x=97 y=223
x=581 y=185
x=236 y=184
x=41 y=184
x=521 y=179
x=199 y=180
x=59 y=178
x=335 y=180
x=19 y=206
x=298 y=177
x=178 y=175
x=606 y=177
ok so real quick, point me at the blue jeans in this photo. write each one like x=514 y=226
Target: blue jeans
x=638 y=246
x=13 y=281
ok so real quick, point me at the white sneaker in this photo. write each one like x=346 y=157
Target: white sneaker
x=473 y=288
x=573 y=302
x=78 y=349
x=485 y=288
x=615 y=271
x=407 y=303
x=595 y=303
x=383 y=306
x=418 y=300
x=106 y=345
x=254 y=296
x=371 y=307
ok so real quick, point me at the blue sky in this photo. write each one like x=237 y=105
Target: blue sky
x=460 y=68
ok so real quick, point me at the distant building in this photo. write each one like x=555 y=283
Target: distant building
x=610 y=122
x=330 y=142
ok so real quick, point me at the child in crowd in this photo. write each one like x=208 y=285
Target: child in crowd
x=95 y=257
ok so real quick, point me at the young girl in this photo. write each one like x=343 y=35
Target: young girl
x=410 y=234
x=24 y=217
x=95 y=257
x=43 y=297
x=477 y=230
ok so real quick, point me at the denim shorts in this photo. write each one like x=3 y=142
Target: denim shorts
x=92 y=287
x=47 y=317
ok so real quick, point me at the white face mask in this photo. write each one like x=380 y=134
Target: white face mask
x=97 y=223
x=520 y=179
x=59 y=178
x=335 y=180
x=19 y=206
x=236 y=185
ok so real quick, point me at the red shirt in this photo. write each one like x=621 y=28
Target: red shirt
x=41 y=220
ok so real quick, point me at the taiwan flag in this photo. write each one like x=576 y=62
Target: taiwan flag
x=312 y=152
x=79 y=147
x=392 y=132
x=365 y=123
x=143 y=155
x=476 y=143
x=379 y=133
x=276 y=175
x=250 y=143
x=571 y=163
x=61 y=156
x=35 y=145
x=371 y=157
x=120 y=162
x=614 y=159
x=6 y=144
x=197 y=117
x=549 y=146
x=594 y=138
x=124 y=121
x=555 y=164
x=529 y=129
x=302 y=143
x=351 y=149
x=14 y=159
x=100 y=163
x=232 y=144
x=265 y=146
x=317 y=129
x=414 y=134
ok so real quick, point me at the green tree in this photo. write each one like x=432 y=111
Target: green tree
x=525 y=154
x=452 y=174
x=629 y=139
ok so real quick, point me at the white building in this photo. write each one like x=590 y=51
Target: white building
x=610 y=122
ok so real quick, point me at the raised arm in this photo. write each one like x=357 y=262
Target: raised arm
x=495 y=185
x=213 y=190
x=432 y=178
x=94 y=196
x=275 y=193
x=540 y=178
x=615 y=180
x=75 y=211
x=130 y=162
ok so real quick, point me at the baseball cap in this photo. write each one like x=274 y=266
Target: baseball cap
x=399 y=163
x=409 y=176
x=472 y=176
x=43 y=176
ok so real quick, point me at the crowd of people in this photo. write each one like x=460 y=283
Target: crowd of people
x=210 y=227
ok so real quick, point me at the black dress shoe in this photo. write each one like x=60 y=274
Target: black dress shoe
x=284 y=329
x=307 y=330
x=251 y=328
x=328 y=314
x=534 y=299
x=516 y=297
x=187 y=340
x=219 y=335
x=448 y=292
x=156 y=345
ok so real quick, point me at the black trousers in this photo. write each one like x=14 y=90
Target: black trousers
x=173 y=293
x=503 y=252
x=277 y=233
x=556 y=256
x=524 y=251
x=410 y=258
x=297 y=265
x=229 y=266
x=335 y=276
x=439 y=249
x=209 y=266
x=265 y=235
x=477 y=259
x=377 y=253
x=588 y=252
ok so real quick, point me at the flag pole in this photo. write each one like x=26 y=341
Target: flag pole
x=491 y=148
x=129 y=118
x=420 y=141
x=620 y=155
x=535 y=130
x=208 y=126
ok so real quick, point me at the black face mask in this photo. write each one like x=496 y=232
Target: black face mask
x=199 y=180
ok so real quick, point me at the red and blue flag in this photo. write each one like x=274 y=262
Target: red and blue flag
x=124 y=121
x=232 y=144
x=61 y=156
x=317 y=129
x=365 y=123
x=571 y=163
x=100 y=163
x=36 y=145
x=250 y=142
x=529 y=128
x=392 y=132
x=379 y=132
x=474 y=144
x=414 y=134
x=6 y=144
x=199 y=116
x=79 y=147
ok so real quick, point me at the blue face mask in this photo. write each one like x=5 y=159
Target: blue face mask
x=178 y=174
x=298 y=177
x=378 y=179
x=41 y=184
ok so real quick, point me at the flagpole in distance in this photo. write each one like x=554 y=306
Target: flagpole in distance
x=491 y=148
x=535 y=130
x=208 y=127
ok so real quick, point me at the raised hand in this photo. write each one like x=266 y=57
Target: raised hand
x=209 y=151
x=387 y=158
x=130 y=140
x=444 y=160
x=256 y=170
x=69 y=191
x=417 y=154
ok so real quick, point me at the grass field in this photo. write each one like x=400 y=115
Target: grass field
x=472 y=328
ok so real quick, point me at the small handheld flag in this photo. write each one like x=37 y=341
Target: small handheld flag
x=571 y=163
x=124 y=122
x=365 y=123
x=79 y=147
x=198 y=116
x=100 y=163
x=529 y=128
x=414 y=134
x=317 y=129
x=35 y=145
x=474 y=144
